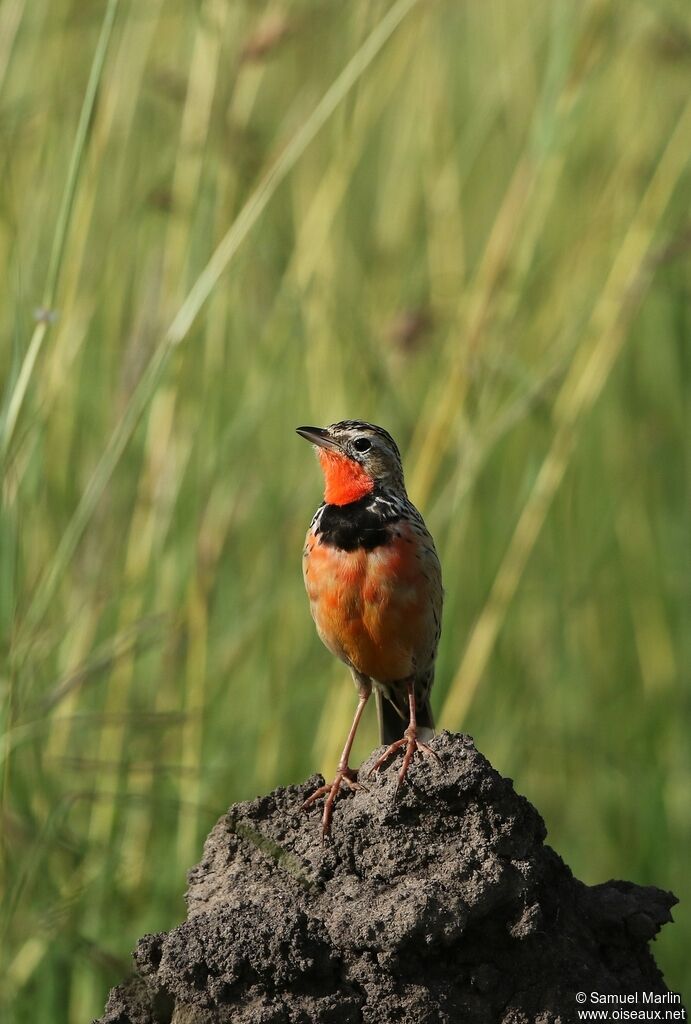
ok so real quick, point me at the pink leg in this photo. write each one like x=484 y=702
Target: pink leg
x=409 y=741
x=345 y=776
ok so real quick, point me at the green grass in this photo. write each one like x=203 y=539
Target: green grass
x=468 y=222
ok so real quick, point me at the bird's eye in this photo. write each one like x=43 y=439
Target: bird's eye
x=362 y=444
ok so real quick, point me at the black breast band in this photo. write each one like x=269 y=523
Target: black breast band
x=354 y=525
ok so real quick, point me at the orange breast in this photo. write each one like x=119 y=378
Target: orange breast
x=376 y=609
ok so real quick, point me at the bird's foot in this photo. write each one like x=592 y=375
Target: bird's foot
x=411 y=744
x=344 y=777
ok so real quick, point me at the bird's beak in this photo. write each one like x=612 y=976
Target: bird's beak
x=320 y=437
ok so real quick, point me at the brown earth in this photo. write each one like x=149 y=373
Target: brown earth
x=443 y=905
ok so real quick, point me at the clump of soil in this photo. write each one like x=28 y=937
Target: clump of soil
x=440 y=906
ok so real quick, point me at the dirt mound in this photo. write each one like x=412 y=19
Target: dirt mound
x=443 y=905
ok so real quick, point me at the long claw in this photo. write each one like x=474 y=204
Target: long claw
x=412 y=744
x=344 y=777
x=428 y=752
x=322 y=791
x=387 y=754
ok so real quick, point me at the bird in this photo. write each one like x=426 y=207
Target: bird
x=374 y=583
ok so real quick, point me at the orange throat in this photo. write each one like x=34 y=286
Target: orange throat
x=344 y=479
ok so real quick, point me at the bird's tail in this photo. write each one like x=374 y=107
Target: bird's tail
x=393 y=717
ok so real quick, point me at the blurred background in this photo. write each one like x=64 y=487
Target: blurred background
x=220 y=219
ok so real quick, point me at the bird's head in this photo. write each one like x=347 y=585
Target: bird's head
x=355 y=458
